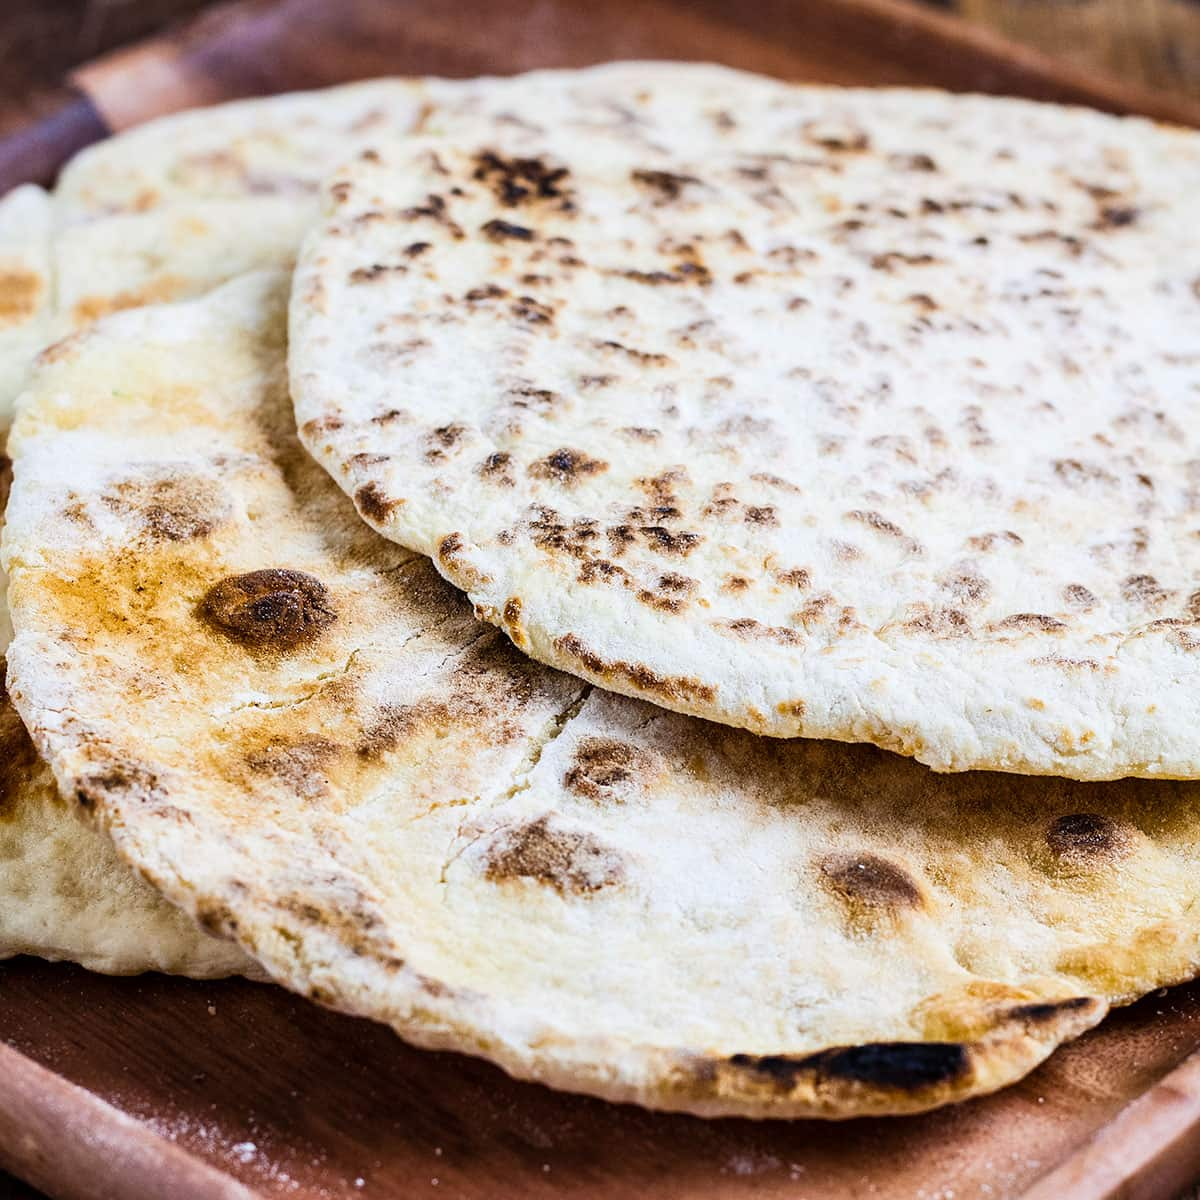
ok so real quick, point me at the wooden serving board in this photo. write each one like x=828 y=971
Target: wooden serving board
x=266 y=1090
x=254 y=47
x=154 y=1087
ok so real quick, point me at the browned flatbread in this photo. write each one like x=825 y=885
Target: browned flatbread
x=871 y=419
x=304 y=738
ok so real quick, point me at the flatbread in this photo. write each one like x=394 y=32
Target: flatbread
x=877 y=423
x=26 y=296
x=172 y=208
x=175 y=207
x=165 y=212
x=64 y=893
x=303 y=737
x=176 y=252
x=276 y=147
x=285 y=146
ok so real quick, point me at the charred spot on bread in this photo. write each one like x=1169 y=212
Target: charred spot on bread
x=273 y=609
x=888 y=1066
x=566 y=466
x=1086 y=837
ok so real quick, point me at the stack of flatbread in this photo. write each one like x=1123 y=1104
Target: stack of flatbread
x=685 y=586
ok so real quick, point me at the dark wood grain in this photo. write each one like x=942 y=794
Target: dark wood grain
x=118 y=1159
x=1152 y=42
x=34 y=152
x=1155 y=43
x=251 y=47
x=43 y=120
x=294 y=1100
x=1152 y=1148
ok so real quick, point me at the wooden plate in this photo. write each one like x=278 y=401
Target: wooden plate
x=261 y=1087
x=153 y=1087
x=260 y=46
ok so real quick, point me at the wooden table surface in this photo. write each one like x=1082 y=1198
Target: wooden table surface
x=1155 y=43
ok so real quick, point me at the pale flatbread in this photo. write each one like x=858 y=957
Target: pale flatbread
x=276 y=147
x=26 y=294
x=883 y=429
x=65 y=894
x=165 y=212
x=25 y=280
x=173 y=208
x=284 y=146
x=300 y=734
x=176 y=252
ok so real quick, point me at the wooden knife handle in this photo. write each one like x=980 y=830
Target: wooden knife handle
x=66 y=121
x=255 y=47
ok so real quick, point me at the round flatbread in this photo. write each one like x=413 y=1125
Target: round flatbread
x=303 y=737
x=64 y=892
x=179 y=205
x=284 y=146
x=876 y=422
x=165 y=212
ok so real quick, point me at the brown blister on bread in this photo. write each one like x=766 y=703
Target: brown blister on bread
x=1087 y=840
x=497 y=230
x=276 y=610
x=374 y=503
x=605 y=770
x=482 y=696
x=175 y=508
x=298 y=764
x=573 y=863
x=125 y=779
x=882 y=1067
x=873 y=892
x=523 y=182
x=566 y=466
x=157 y=291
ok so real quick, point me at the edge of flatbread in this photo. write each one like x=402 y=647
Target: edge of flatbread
x=65 y=894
